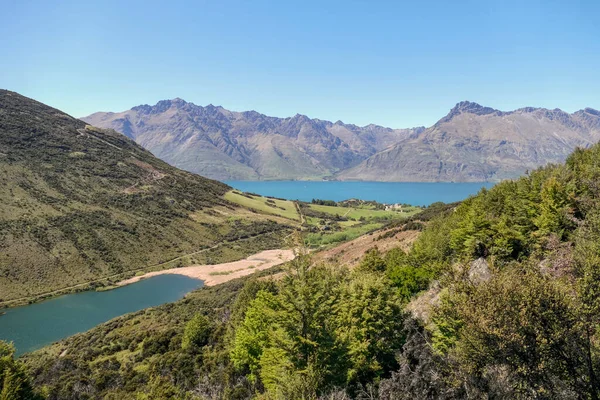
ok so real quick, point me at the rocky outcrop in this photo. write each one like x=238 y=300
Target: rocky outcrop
x=479 y=271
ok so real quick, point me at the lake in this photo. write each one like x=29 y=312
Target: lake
x=414 y=193
x=34 y=326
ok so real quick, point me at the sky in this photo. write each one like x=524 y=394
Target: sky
x=393 y=63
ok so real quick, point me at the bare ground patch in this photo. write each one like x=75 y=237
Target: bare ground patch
x=219 y=273
x=350 y=253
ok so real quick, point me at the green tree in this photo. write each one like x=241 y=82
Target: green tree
x=372 y=261
x=522 y=322
x=291 y=333
x=394 y=257
x=587 y=271
x=553 y=208
x=14 y=382
x=370 y=323
x=197 y=332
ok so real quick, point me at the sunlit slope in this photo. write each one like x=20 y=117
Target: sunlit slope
x=78 y=203
x=283 y=208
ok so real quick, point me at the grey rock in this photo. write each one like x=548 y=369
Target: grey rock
x=479 y=271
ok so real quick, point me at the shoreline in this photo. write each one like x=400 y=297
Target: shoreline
x=100 y=283
x=219 y=273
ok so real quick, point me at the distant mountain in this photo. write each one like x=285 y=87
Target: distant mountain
x=471 y=143
x=79 y=203
x=476 y=143
x=223 y=144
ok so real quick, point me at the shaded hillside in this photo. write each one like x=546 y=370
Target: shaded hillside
x=475 y=143
x=223 y=144
x=79 y=203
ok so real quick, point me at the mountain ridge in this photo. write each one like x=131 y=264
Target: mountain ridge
x=224 y=144
x=471 y=143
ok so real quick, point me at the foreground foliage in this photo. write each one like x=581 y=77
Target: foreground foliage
x=14 y=381
x=319 y=329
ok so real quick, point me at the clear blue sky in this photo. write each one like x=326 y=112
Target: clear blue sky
x=395 y=63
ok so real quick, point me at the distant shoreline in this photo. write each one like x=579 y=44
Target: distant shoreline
x=413 y=193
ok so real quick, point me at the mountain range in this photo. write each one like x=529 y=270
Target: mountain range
x=472 y=143
x=222 y=144
x=476 y=144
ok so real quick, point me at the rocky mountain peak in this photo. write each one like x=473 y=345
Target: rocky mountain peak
x=471 y=108
x=161 y=106
x=589 y=110
x=301 y=117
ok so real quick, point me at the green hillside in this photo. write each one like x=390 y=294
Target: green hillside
x=79 y=204
x=497 y=298
x=283 y=208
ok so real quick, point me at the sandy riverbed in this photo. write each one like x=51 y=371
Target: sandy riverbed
x=219 y=273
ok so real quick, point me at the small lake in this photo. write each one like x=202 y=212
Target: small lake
x=414 y=193
x=34 y=326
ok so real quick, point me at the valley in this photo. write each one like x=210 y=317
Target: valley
x=84 y=207
x=93 y=226
x=202 y=290
x=300 y=200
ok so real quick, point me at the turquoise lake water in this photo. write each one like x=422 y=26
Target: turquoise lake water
x=415 y=193
x=33 y=326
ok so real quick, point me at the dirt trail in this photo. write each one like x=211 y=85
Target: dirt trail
x=219 y=273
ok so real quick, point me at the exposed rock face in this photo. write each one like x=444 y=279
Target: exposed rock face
x=479 y=271
x=223 y=144
x=422 y=305
x=476 y=143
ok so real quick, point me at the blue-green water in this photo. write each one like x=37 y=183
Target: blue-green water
x=36 y=325
x=415 y=193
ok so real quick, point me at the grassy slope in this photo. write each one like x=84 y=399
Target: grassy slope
x=348 y=233
x=284 y=208
x=341 y=230
x=356 y=212
x=79 y=204
x=347 y=223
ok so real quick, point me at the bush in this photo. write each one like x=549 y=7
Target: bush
x=196 y=333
